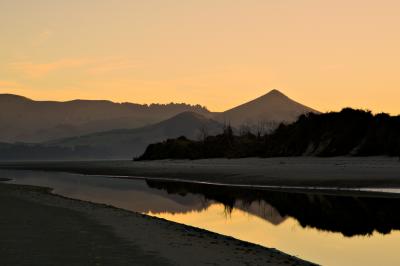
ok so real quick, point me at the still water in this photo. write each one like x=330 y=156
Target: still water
x=325 y=229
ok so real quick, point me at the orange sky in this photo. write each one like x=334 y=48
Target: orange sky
x=325 y=54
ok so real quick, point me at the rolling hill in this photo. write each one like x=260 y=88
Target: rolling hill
x=114 y=144
x=26 y=120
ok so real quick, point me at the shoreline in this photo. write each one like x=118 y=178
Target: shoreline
x=169 y=240
x=291 y=189
x=342 y=177
x=299 y=172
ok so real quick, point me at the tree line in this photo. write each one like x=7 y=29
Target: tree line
x=348 y=132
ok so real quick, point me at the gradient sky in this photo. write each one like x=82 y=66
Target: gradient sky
x=219 y=53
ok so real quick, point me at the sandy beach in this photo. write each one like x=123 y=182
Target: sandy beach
x=35 y=221
x=292 y=171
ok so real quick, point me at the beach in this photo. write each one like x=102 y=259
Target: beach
x=40 y=228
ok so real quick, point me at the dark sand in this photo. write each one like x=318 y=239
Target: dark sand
x=39 y=228
x=33 y=233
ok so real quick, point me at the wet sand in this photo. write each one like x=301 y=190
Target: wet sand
x=293 y=171
x=40 y=228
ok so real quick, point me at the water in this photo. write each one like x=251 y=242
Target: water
x=326 y=229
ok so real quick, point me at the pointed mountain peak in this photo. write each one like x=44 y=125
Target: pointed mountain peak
x=276 y=93
x=273 y=106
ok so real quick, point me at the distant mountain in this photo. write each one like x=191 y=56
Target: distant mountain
x=126 y=143
x=271 y=109
x=26 y=120
x=104 y=129
x=114 y=144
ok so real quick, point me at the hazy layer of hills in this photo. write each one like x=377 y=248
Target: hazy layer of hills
x=25 y=120
x=349 y=132
x=120 y=143
x=103 y=129
x=131 y=142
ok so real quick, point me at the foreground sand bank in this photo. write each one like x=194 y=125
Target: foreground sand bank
x=293 y=171
x=39 y=228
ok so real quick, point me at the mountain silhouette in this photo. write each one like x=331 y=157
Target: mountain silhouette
x=103 y=129
x=272 y=108
x=26 y=120
x=122 y=143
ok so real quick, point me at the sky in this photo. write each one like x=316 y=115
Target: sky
x=218 y=53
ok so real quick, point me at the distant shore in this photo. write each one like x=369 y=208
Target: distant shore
x=339 y=172
x=42 y=228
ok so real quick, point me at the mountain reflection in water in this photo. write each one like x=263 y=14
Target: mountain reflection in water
x=349 y=215
x=309 y=225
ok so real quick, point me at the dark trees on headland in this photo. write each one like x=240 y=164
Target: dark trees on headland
x=349 y=132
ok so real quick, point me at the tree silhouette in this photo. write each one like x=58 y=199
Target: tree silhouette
x=349 y=132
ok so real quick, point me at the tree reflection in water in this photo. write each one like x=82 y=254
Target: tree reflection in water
x=357 y=214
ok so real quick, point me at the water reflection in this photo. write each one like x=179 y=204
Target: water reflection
x=350 y=215
x=134 y=195
x=308 y=225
